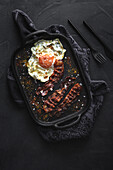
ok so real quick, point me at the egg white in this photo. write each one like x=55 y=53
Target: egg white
x=42 y=47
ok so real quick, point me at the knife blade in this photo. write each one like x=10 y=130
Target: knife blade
x=84 y=39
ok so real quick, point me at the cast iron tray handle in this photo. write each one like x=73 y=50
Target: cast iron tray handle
x=68 y=123
x=32 y=36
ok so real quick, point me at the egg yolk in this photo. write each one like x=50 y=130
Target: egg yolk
x=46 y=61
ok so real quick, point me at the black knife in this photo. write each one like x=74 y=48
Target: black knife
x=84 y=39
x=96 y=54
x=107 y=49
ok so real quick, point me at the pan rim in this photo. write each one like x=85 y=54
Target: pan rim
x=68 y=117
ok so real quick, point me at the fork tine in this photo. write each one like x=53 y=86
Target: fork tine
x=101 y=58
x=97 y=58
x=103 y=61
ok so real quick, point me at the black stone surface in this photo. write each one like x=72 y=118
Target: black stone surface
x=21 y=147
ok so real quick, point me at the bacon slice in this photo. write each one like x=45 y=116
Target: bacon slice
x=70 y=97
x=53 y=100
x=55 y=77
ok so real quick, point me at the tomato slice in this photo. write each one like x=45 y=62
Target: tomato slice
x=46 y=61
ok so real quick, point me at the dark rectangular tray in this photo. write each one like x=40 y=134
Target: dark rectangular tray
x=28 y=85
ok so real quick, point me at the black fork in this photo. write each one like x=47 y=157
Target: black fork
x=97 y=55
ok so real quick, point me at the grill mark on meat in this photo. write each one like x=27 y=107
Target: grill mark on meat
x=54 y=78
x=53 y=100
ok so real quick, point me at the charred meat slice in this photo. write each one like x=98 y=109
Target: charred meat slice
x=69 y=99
x=53 y=100
x=55 y=77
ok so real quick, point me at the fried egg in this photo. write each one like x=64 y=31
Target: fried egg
x=44 y=53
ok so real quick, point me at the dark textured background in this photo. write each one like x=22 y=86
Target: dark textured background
x=21 y=147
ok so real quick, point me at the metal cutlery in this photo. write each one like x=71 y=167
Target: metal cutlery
x=97 y=55
x=108 y=51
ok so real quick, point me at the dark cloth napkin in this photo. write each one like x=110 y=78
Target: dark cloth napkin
x=97 y=88
x=101 y=24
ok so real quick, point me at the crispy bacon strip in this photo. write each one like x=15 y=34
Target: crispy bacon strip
x=55 y=77
x=70 y=97
x=54 y=99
